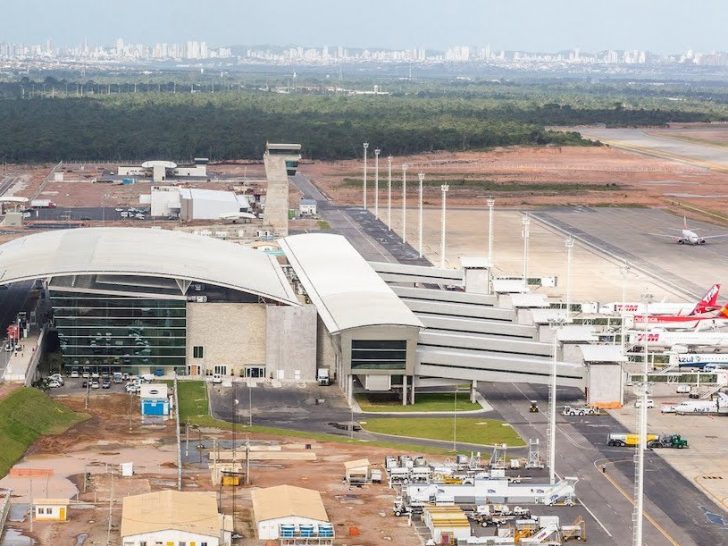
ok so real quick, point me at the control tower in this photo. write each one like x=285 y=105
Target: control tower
x=281 y=161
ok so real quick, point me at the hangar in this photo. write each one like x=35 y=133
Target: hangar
x=153 y=301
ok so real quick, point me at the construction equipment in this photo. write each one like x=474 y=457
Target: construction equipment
x=620 y=439
x=534 y=407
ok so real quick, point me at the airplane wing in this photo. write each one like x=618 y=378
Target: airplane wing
x=673 y=237
x=715 y=236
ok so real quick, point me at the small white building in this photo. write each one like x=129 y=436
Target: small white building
x=154 y=400
x=289 y=512
x=447 y=524
x=161 y=171
x=50 y=509
x=199 y=204
x=174 y=517
x=357 y=471
x=307 y=207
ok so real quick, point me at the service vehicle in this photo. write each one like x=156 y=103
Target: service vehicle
x=683 y=389
x=621 y=439
x=322 y=376
x=638 y=403
x=42 y=204
x=582 y=410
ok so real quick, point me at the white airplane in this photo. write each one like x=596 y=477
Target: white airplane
x=688 y=236
x=718 y=404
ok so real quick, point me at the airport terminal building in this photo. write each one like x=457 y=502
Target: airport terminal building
x=157 y=301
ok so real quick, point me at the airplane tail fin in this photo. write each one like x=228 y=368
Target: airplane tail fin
x=708 y=301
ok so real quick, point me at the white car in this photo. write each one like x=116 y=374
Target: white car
x=57 y=378
x=684 y=388
x=217 y=378
x=53 y=384
x=75 y=374
x=132 y=388
x=638 y=403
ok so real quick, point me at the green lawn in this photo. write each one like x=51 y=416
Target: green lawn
x=193 y=409
x=25 y=415
x=441 y=401
x=470 y=430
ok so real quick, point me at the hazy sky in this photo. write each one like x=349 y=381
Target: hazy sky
x=658 y=25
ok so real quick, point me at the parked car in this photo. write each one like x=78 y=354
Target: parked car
x=53 y=384
x=106 y=383
x=95 y=384
x=75 y=374
x=217 y=378
x=650 y=403
x=58 y=378
x=132 y=388
x=84 y=384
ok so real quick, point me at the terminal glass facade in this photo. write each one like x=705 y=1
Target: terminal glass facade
x=118 y=333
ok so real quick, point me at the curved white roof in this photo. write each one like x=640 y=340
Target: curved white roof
x=144 y=252
x=345 y=289
x=156 y=163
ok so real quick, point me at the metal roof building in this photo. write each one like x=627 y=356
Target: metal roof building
x=286 y=511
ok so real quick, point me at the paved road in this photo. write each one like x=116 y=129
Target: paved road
x=12 y=300
x=625 y=233
x=582 y=450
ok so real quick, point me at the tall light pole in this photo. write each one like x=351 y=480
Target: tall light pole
x=443 y=230
x=639 y=488
x=624 y=271
x=366 y=147
x=421 y=176
x=569 y=249
x=404 y=203
x=377 y=151
x=389 y=193
x=491 y=205
x=555 y=325
x=526 y=234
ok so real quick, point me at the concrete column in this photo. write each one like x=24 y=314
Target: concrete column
x=473 y=390
x=404 y=390
x=412 y=391
x=350 y=394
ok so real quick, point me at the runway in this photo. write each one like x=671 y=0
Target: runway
x=625 y=233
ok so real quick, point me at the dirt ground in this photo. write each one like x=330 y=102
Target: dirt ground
x=98 y=445
x=640 y=180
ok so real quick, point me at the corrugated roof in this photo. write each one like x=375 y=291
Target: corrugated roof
x=144 y=252
x=286 y=501
x=192 y=512
x=345 y=289
x=356 y=464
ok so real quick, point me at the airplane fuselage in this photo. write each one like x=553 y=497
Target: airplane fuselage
x=690 y=238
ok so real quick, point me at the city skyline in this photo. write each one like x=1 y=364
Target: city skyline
x=504 y=25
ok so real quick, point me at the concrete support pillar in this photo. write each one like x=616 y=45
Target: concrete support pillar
x=404 y=390
x=412 y=391
x=350 y=394
x=473 y=390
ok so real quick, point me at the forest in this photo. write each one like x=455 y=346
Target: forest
x=235 y=123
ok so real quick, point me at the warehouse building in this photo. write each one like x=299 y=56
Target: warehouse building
x=292 y=515
x=190 y=204
x=174 y=517
x=162 y=171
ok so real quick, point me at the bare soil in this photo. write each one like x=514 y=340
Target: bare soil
x=98 y=445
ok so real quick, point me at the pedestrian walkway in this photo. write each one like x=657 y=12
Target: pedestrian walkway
x=20 y=364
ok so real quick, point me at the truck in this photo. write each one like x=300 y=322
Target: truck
x=322 y=376
x=42 y=204
x=621 y=439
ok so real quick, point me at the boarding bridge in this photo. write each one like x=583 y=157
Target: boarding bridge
x=413 y=274
x=450 y=296
x=460 y=310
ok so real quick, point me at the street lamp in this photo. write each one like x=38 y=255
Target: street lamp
x=421 y=176
x=569 y=248
x=555 y=325
x=624 y=271
x=642 y=440
x=376 y=182
x=366 y=147
x=389 y=193
x=404 y=203
x=491 y=204
x=444 y=189
x=526 y=234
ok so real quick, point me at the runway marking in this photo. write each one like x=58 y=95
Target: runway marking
x=647 y=516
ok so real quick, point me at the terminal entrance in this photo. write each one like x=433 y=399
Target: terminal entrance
x=255 y=372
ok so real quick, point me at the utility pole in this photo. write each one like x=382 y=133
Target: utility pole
x=421 y=176
x=639 y=487
x=624 y=270
x=111 y=508
x=377 y=151
x=569 y=248
x=555 y=326
x=404 y=203
x=444 y=189
x=389 y=193
x=526 y=234
x=366 y=147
